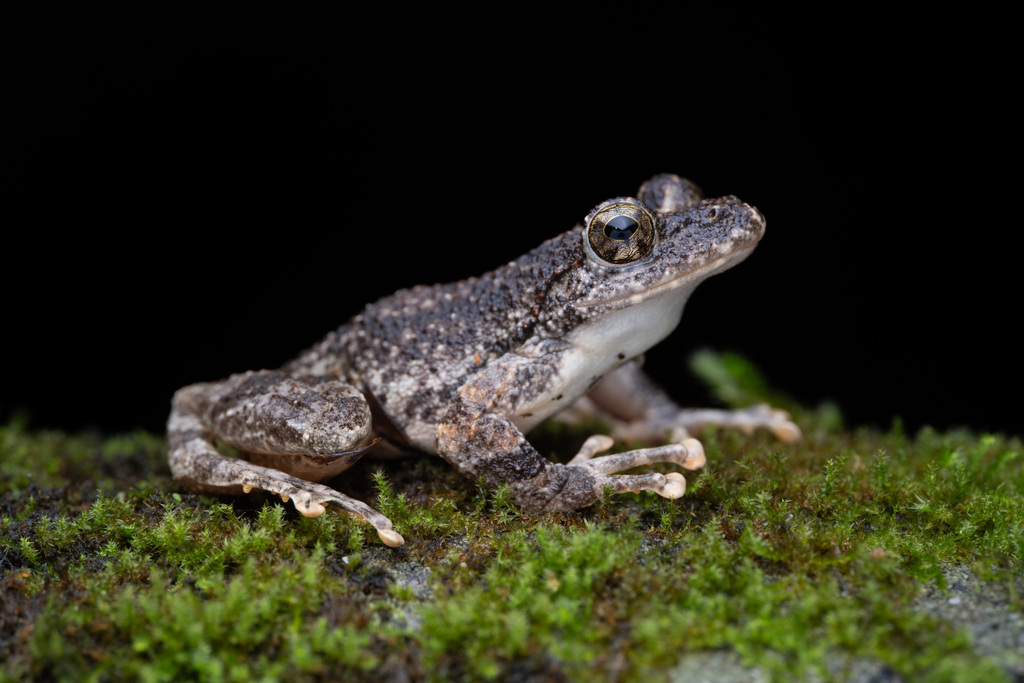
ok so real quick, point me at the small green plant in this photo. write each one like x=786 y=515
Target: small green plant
x=28 y=551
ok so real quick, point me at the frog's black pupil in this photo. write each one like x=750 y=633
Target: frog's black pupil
x=620 y=228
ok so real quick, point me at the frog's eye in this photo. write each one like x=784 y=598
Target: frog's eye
x=621 y=233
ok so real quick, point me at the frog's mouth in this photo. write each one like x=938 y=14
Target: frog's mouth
x=687 y=279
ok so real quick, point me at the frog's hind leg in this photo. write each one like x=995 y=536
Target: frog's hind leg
x=236 y=411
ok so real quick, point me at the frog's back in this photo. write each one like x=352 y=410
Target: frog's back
x=411 y=351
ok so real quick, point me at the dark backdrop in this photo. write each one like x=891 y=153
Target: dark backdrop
x=190 y=207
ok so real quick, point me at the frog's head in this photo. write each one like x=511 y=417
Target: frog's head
x=642 y=257
x=669 y=240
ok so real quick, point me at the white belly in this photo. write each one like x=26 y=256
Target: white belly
x=599 y=347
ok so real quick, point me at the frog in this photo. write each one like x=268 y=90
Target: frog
x=465 y=370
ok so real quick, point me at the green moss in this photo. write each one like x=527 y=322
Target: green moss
x=538 y=598
x=797 y=558
x=261 y=623
x=52 y=458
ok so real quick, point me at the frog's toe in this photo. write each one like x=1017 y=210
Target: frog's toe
x=671 y=485
x=695 y=457
x=597 y=443
x=308 y=507
x=383 y=526
x=675 y=486
x=786 y=432
x=774 y=420
x=391 y=538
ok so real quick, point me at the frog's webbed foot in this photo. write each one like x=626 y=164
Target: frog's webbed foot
x=689 y=454
x=584 y=479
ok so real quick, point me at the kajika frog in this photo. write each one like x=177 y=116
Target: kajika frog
x=465 y=370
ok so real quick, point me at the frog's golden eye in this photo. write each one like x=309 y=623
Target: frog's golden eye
x=621 y=233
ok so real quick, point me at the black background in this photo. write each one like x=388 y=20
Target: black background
x=187 y=207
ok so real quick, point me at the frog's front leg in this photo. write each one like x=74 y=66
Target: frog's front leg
x=638 y=410
x=478 y=437
x=313 y=429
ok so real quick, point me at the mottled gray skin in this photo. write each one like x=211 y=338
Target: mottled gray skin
x=465 y=369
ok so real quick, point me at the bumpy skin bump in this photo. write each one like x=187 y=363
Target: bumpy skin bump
x=464 y=370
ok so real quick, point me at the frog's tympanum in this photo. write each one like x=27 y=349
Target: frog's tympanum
x=465 y=370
